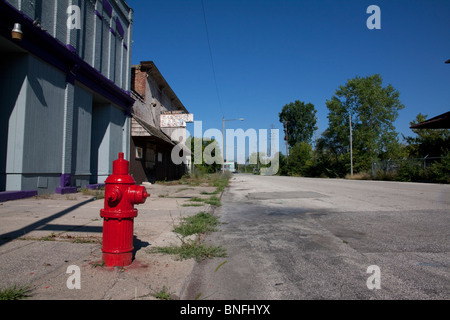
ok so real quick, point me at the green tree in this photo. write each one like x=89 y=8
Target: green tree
x=330 y=157
x=301 y=121
x=256 y=161
x=373 y=109
x=282 y=165
x=211 y=145
x=427 y=142
x=300 y=159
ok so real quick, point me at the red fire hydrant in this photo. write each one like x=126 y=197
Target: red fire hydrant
x=121 y=194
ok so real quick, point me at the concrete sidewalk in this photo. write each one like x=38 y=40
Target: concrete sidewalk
x=41 y=237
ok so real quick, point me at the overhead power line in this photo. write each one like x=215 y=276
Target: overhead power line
x=212 y=60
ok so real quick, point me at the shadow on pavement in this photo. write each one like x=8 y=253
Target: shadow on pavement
x=44 y=223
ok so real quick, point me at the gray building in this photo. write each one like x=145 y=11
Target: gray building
x=64 y=86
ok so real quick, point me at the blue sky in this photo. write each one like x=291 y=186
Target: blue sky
x=268 y=53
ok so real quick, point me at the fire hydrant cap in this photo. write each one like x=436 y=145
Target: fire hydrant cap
x=121 y=166
x=120 y=173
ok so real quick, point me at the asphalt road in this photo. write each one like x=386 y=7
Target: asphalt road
x=300 y=238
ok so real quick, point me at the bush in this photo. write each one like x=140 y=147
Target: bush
x=440 y=171
x=410 y=170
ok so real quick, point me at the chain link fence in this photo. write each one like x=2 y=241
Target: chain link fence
x=392 y=167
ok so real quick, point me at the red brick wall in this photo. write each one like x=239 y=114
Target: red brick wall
x=139 y=80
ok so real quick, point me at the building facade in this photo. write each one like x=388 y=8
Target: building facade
x=64 y=86
x=158 y=125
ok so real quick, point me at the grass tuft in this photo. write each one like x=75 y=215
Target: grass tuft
x=191 y=249
x=15 y=293
x=163 y=294
x=202 y=222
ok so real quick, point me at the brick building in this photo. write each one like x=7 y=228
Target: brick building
x=156 y=114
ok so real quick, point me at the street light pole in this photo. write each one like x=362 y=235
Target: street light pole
x=287 y=140
x=223 y=139
x=223 y=144
x=351 y=146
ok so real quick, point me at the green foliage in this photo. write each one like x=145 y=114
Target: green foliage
x=301 y=121
x=329 y=159
x=202 y=222
x=299 y=159
x=191 y=249
x=440 y=171
x=427 y=142
x=409 y=170
x=213 y=200
x=414 y=170
x=218 y=180
x=221 y=182
x=15 y=293
x=373 y=109
x=192 y=204
x=209 y=151
x=163 y=294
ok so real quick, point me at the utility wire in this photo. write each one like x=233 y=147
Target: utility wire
x=212 y=60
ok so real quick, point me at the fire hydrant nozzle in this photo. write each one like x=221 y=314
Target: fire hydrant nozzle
x=121 y=194
x=114 y=196
x=137 y=194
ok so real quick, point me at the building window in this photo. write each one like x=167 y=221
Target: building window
x=160 y=157
x=139 y=153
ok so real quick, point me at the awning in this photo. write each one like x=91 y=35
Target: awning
x=440 y=122
x=152 y=131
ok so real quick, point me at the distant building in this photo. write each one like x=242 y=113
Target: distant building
x=156 y=115
x=64 y=87
x=229 y=166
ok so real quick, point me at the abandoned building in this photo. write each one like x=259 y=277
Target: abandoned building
x=158 y=124
x=64 y=86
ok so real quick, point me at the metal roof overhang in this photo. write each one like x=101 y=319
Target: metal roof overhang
x=440 y=122
x=154 y=132
x=152 y=70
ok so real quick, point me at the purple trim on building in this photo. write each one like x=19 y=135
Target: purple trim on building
x=107 y=7
x=97 y=186
x=65 y=190
x=64 y=180
x=125 y=46
x=70 y=78
x=57 y=54
x=112 y=31
x=98 y=14
x=65 y=187
x=71 y=48
x=119 y=28
x=15 y=195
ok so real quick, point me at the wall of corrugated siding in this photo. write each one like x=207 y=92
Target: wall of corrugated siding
x=47 y=16
x=81 y=147
x=13 y=88
x=43 y=129
x=60 y=26
x=108 y=127
x=94 y=42
x=44 y=118
x=89 y=23
x=50 y=126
